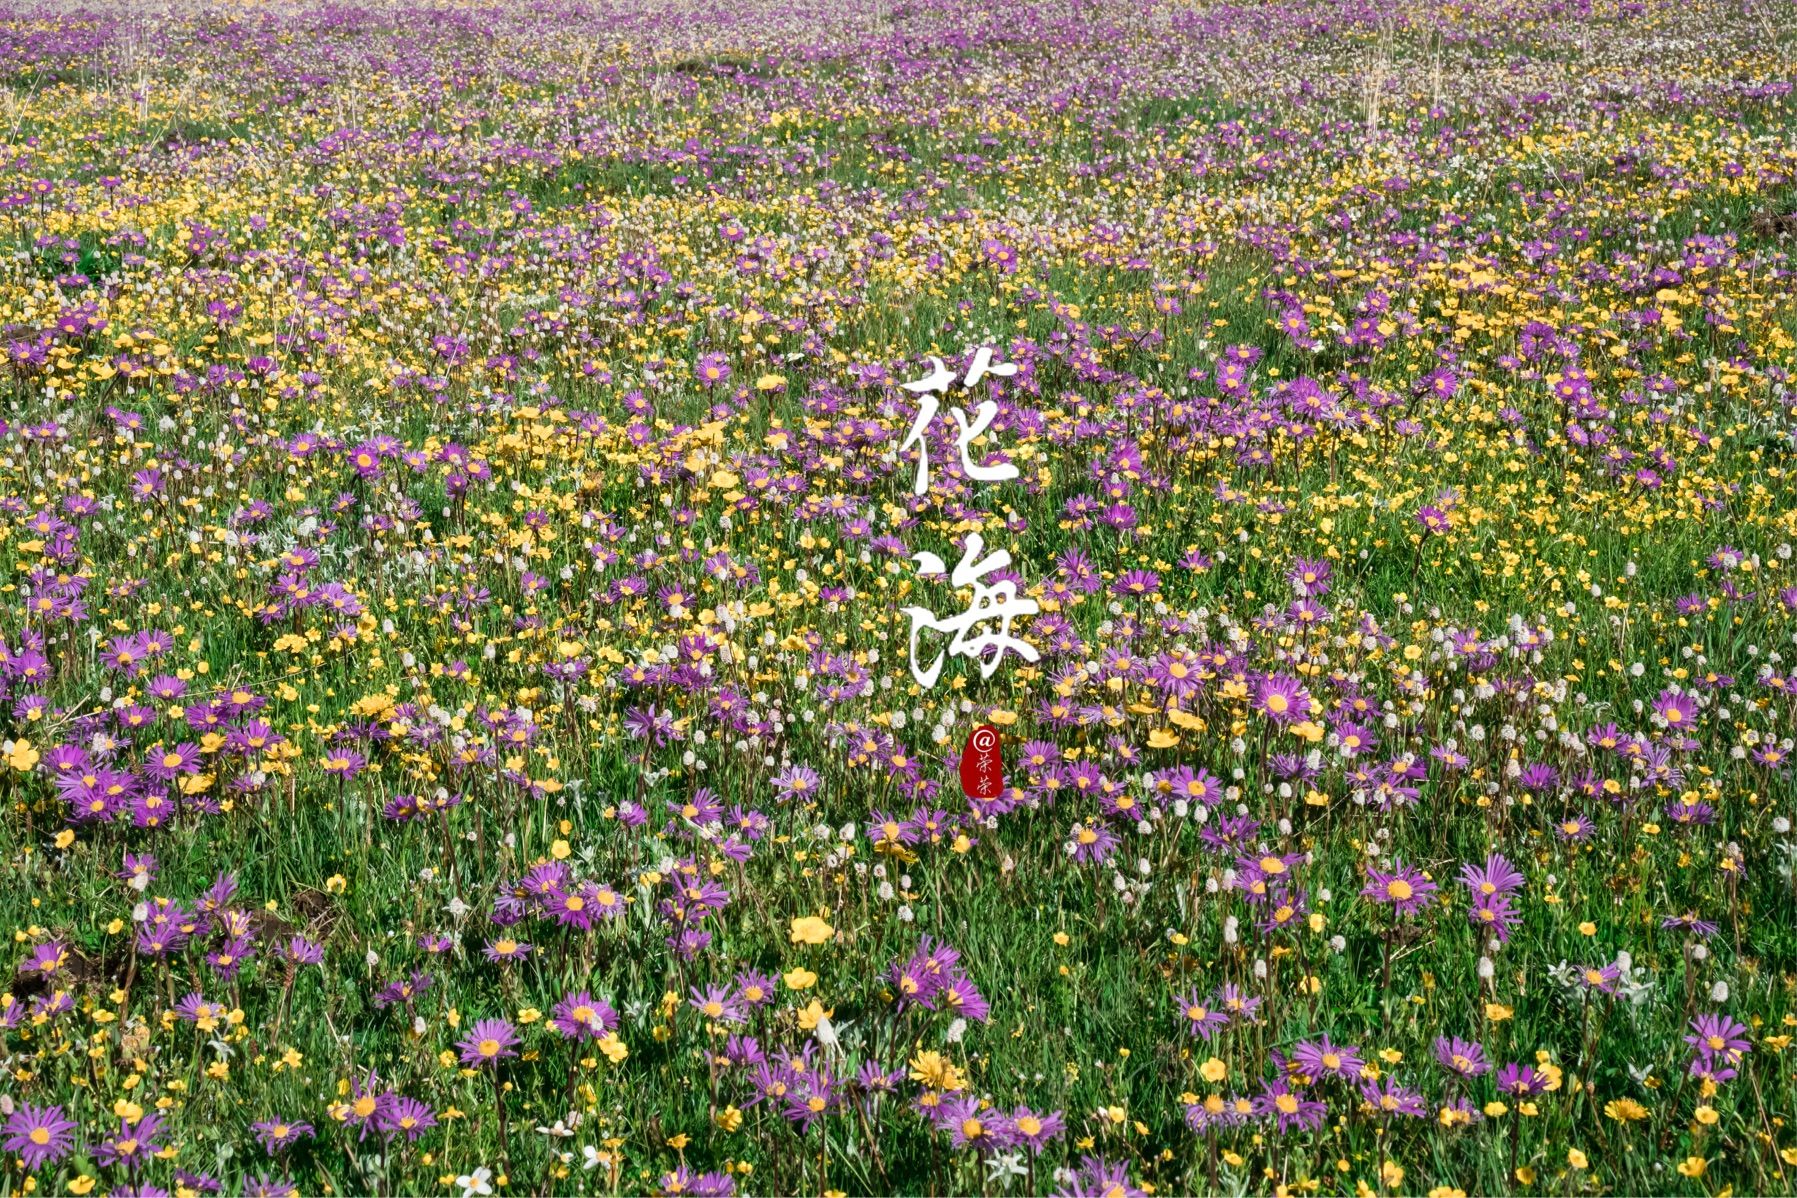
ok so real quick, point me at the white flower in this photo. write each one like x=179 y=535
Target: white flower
x=476 y=1182
x=589 y=1155
x=1002 y=1166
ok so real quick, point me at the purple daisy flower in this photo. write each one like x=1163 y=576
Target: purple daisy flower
x=1406 y=889
x=40 y=1135
x=488 y=1042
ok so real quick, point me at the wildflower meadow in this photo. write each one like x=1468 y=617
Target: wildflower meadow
x=514 y=516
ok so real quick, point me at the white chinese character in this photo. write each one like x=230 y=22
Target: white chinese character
x=939 y=379
x=996 y=602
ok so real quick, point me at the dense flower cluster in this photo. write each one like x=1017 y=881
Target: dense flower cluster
x=458 y=519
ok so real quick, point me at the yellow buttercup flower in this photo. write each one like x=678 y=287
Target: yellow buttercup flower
x=809 y=929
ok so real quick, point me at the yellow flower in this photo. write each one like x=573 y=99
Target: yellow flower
x=1692 y=1166
x=809 y=929
x=1625 y=1110
x=936 y=1071
x=799 y=978
x=728 y=1119
x=770 y=382
x=21 y=756
x=615 y=1050
x=813 y=1014
x=1576 y=1159
x=1213 y=1070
